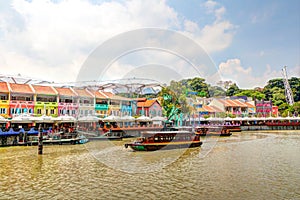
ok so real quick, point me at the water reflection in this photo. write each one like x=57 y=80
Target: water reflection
x=246 y=165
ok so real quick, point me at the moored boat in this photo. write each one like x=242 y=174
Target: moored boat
x=208 y=130
x=156 y=140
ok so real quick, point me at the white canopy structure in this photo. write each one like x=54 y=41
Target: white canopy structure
x=88 y=118
x=158 y=118
x=127 y=118
x=65 y=119
x=45 y=119
x=143 y=118
x=23 y=118
x=2 y=119
x=112 y=118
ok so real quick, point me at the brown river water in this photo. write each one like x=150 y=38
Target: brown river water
x=247 y=165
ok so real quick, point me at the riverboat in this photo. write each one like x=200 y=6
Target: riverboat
x=156 y=140
x=233 y=127
x=208 y=130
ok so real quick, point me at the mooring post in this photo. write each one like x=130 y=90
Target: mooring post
x=40 y=140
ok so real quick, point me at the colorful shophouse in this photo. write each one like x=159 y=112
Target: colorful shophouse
x=126 y=106
x=45 y=101
x=4 y=99
x=101 y=104
x=263 y=108
x=67 y=104
x=85 y=100
x=233 y=107
x=21 y=98
x=118 y=105
x=149 y=107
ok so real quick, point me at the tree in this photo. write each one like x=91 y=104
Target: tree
x=170 y=102
x=275 y=90
x=216 y=91
x=225 y=84
x=197 y=85
x=295 y=85
x=232 y=90
x=254 y=94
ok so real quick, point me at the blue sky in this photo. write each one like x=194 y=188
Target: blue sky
x=249 y=41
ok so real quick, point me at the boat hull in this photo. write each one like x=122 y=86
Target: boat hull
x=215 y=134
x=105 y=138
x=162 y=146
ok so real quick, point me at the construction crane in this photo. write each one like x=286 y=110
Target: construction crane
x=288 y=90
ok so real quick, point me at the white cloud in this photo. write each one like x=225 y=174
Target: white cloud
x=216 y=36
x=210 y=5
x=52 y=39
x=233 y=70
x=233 y=67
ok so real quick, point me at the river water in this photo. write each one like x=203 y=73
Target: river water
x=247 y=165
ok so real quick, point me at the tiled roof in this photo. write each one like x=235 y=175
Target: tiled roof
x=241 y=103
x=3 y=87
x=211 y=109
x=21 y=88
x=108 y=94
x=99 y=95
x=83 y=93
x=48 y=90
x=232 y=103
x=208 y=108
x=117 y=97
x=65 y=91
x=147 y=103
x=249 y=105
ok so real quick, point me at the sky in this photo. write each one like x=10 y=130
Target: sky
x=248 y=41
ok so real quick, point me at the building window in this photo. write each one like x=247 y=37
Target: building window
x=2 y=97
x=28 y=99
x=2 y=110
x=52 y=111
x=46 y=99
x=39 y=111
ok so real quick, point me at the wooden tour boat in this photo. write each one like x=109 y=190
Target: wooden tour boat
x=156 y=140
x=208 y=130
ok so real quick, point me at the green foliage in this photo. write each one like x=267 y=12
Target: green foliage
x=206 y=116
x=231 y=115
x=216 y=91
x=232 y=90
x=295 y=85
x=196 y=85
x=275 y=90
x=251 y=93
x=169 y=102
x=296 y=107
